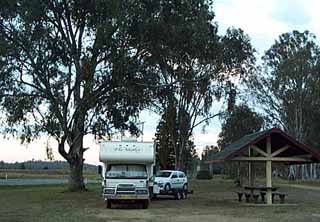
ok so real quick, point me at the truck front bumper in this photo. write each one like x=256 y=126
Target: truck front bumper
x=125 y=197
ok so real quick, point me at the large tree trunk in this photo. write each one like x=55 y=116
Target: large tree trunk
x=181 y=160
x=75 y=155
x=76 y=182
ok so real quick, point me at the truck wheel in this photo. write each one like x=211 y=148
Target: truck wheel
x=178 y=195
x=108 y=203
x=145 y=204
x=167 y=187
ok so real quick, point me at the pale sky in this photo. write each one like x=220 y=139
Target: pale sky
x=262 y=20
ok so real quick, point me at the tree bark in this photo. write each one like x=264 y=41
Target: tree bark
x=76 y=182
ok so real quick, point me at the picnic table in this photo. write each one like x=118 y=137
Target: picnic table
x=262 y=189
x=252 y=196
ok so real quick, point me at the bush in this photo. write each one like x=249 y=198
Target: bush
x=204 y=175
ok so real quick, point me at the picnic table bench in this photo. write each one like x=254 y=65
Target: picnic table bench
x=253 y=197
x=281 y=195
x=248 y=196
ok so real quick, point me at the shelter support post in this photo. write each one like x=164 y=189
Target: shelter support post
x=269 y=181
x=269 y=172
x=239 y=174
x=250 y=170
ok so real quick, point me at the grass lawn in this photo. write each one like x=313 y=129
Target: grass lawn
x=42 y=174
x=212 y=201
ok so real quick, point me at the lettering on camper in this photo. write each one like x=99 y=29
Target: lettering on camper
x=127 y=149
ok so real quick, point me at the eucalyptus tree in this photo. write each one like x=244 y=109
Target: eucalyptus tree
x=164 y=147
x=193 y=64
x=68 y=68
x=238 y=123
x=288 y=86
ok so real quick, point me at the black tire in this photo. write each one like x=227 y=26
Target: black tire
x=145 y=204
x=185 y=187
x=178 y=195
x=154 y=196
x=108 y=204
x=167 y=187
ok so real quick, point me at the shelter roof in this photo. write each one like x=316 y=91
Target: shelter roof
x=289 y=146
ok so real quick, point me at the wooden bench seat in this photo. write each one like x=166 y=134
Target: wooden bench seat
x=240 y=194
x=281 y=196
x=248 y=196
x=274 y=193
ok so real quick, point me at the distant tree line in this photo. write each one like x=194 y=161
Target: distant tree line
x=43 y=165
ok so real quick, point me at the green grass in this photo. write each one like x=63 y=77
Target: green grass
x=43 y=174
x=47 y=203
x=213 y=200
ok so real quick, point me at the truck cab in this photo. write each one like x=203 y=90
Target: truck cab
x=127 y=171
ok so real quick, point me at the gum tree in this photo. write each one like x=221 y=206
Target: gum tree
x=67 y=69
x=193 y=65
x=288 y=86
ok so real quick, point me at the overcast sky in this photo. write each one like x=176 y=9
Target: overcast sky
x=262 y=20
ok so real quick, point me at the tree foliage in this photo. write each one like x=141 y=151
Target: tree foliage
x=165 y=149
x=240 y=122
x=68 y=68
x=288 y=86
x=192 y=62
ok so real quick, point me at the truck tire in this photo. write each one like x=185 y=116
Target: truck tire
x=167 y=187
x=108 y=204
x=145 y=204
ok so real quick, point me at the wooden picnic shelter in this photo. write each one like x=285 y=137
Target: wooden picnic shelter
x=267 y=146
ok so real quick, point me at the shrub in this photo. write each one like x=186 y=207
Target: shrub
x=204 y=175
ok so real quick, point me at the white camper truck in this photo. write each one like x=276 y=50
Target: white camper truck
x=127 y=171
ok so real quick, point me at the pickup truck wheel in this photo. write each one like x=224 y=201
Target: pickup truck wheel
x=167 y=187
x=109 y=204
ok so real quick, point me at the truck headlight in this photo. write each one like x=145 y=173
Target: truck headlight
x=109 y=191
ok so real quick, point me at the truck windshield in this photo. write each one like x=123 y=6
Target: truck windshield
x=163 y=174
x=127 y=171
